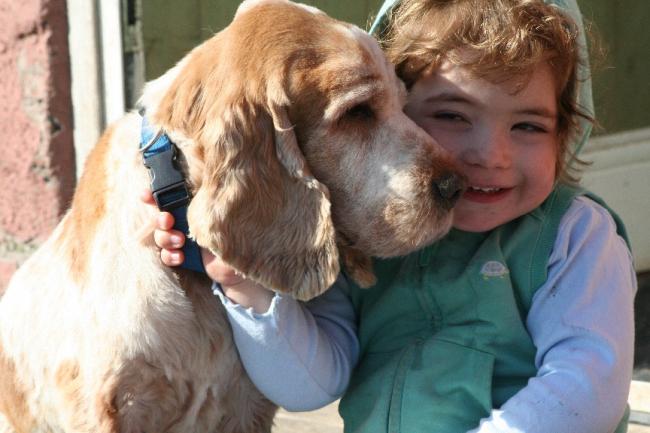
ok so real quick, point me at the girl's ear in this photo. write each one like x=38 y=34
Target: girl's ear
x=258 y=206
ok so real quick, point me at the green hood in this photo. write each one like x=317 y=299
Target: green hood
x=585 y=98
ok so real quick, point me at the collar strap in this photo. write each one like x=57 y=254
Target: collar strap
x=168 y=186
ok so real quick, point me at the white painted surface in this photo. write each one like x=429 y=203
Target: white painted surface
x=85 y=74
x=112 y=58
x=620 y=174
x=97 y=71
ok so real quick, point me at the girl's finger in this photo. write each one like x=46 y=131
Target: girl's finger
x=169 y=240
x=165 y=221
x=172 y=258
x=147 y=197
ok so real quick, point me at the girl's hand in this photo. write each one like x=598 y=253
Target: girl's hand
x=235 y=286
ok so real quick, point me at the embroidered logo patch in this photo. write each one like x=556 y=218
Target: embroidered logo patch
x=494 y=269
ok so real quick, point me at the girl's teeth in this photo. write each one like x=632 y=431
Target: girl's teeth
x=487 y=190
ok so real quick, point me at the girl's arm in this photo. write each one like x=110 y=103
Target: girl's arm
x=299 y=355
x=582 y=323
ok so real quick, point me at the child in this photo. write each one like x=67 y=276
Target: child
x=520 y=320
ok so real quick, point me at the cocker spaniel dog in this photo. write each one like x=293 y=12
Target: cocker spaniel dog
x=298 y=156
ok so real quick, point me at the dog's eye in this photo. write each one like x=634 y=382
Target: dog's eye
x=360 y=112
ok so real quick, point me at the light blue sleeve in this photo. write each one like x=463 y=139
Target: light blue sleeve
x=299 y=355
x=582 y=324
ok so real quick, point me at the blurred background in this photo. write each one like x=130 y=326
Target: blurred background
x=70 y=67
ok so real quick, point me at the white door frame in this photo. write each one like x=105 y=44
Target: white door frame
x=97 y=70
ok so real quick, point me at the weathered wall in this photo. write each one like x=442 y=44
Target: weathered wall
x=37 y=159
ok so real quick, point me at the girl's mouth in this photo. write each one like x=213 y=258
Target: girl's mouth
x=481 y=194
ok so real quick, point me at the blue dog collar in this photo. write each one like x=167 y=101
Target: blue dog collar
x=168 y=186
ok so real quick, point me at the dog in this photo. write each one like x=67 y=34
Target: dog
x=298 y=156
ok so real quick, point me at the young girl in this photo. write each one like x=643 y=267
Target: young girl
x=520 y=320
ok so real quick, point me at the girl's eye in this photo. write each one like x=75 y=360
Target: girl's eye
x=530 y=127
x=448 y=116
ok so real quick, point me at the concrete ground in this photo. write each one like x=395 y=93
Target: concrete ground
x=640 y=392
x=640 y=404
x=327 y=420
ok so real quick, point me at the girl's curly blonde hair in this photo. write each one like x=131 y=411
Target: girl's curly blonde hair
x=505 y=39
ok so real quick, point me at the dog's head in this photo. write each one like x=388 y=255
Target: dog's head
x=299 y=149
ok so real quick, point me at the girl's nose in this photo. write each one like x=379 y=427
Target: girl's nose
x=492 y=148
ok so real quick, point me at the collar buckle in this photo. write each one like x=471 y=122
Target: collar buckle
x=167 y=182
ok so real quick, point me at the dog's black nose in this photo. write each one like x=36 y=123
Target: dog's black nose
x=448 y=188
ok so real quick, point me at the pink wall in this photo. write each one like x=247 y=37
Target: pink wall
x=37 y=172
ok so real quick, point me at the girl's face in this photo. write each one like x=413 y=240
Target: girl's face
x=502 y=136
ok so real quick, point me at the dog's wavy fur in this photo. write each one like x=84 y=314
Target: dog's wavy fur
x=298 y=155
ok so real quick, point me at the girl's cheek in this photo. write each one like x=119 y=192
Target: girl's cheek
x=450 y=138
x=451 y=141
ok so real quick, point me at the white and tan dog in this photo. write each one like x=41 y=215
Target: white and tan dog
x=298 y=154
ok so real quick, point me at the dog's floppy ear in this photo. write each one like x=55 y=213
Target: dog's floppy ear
x=258 y=206
x=358 y=266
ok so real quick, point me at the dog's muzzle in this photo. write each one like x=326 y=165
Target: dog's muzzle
x=448 y=188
